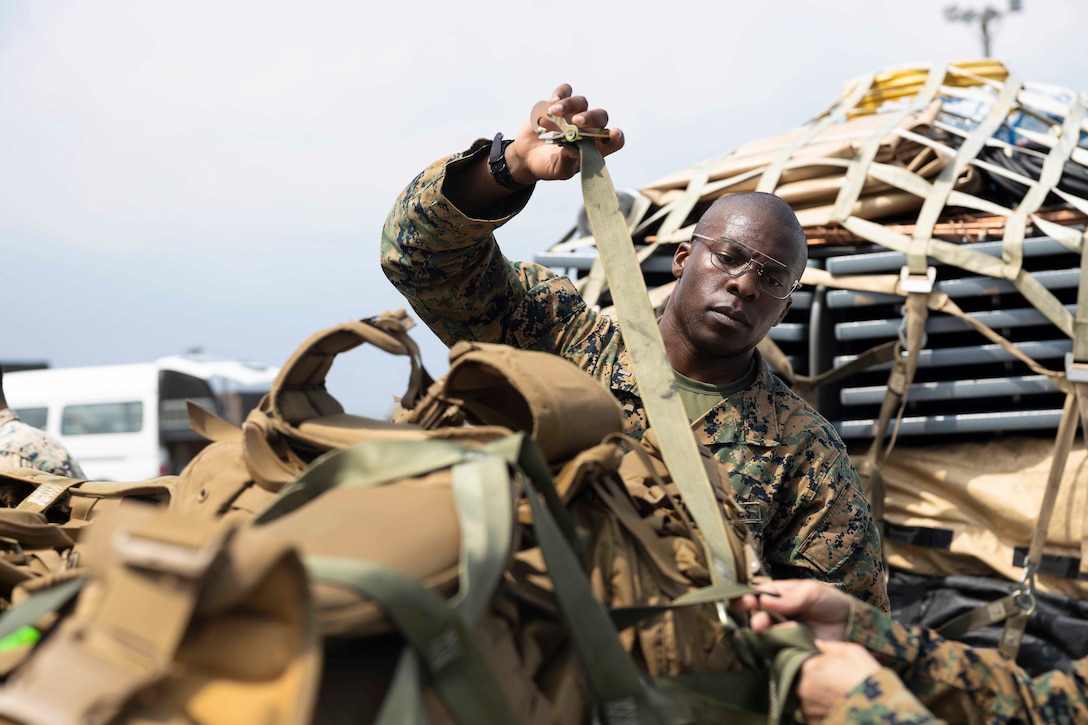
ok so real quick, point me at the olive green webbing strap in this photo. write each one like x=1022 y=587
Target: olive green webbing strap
x=653 y=374
x=481 y=489
x=624 y=697
x=438 y=637
x=368 y=463
x=657 y=387
x=30 y=610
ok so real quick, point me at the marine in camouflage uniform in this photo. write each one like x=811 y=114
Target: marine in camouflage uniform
x=787 y=465
x=24 y=446
x=929 y=679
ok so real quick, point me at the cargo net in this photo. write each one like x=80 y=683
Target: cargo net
x=956 y=180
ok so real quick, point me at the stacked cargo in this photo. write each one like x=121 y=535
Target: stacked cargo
x=938 y=327
x=960 y=175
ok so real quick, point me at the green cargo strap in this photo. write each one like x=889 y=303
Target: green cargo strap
x=628 y=696
x=983 y=616
x=484 y=503
x=29 y=611
x=519 y=449
x=437 y=635
x=625 y=697
x=735 y=697
x=368 y=463
x=624 y=617
x=485 y=511
x=654 y=375
x=403 y=703
x=791 y=646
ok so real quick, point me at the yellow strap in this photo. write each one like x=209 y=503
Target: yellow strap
x=860 y=166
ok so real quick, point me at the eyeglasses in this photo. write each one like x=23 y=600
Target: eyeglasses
x=733 y=258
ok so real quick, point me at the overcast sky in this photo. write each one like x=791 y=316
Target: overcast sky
x=216 y=174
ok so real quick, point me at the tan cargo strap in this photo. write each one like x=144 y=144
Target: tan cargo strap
x=210 y=425
x=992 y=613
x=895 y=399
x=937 y=302
x=50 y=489
x=1016 y=608
x=905 y=361
x=31 y=530
x=806 y=385
x=654 y=376
x=1074 y=412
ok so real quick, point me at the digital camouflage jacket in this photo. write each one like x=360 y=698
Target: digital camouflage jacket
x=786 y=463
x=929 y=679
x=24 y=446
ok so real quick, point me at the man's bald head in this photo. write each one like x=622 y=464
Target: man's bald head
x=789 y=233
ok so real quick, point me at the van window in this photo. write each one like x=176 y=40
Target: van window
x=97 y=418
x=33 y=416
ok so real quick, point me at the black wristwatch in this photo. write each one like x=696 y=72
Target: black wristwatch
x=496 y=161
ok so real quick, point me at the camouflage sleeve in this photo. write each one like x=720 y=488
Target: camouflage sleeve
x=848 y=538
x=961 y=683
x=457 y=280
x=830 y=534
x=881 y=699
x=70 y=467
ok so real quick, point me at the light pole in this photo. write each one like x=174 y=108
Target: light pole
x=984 y=18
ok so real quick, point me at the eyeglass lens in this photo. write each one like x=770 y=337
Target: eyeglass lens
x=734 y=259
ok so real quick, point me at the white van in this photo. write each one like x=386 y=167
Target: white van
x=130 y=422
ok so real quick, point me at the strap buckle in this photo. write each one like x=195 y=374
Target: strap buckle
x=1025 y=594
x=1075 y=372
x=916 y=282
x=567 y=133
x=143 y=552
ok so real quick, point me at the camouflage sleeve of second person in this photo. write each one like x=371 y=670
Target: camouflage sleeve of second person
x=958 y=683
x=456 y=279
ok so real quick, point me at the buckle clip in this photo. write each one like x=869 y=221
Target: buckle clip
x=1076 y=372
x=915 y=282
x=164 y=556
x=567 y=133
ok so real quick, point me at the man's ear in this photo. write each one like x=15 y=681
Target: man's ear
x=789 y=304
x=680 y=258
